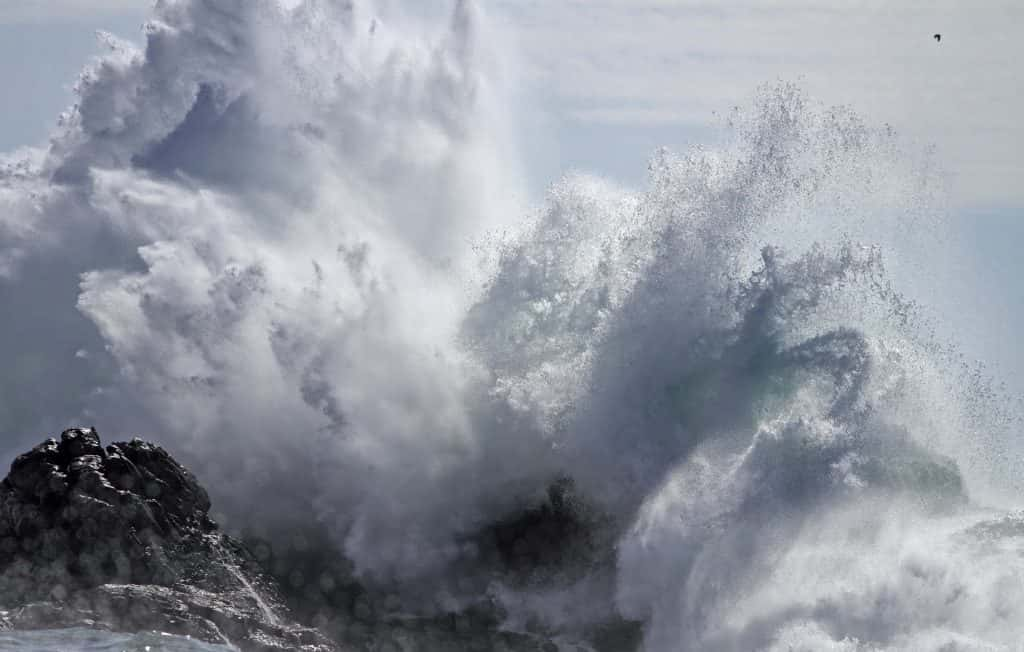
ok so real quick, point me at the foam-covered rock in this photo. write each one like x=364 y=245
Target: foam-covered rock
x=121 y=538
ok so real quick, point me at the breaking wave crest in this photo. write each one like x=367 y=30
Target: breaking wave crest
x=289 y=243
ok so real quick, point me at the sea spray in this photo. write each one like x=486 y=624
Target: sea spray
x=292 y=241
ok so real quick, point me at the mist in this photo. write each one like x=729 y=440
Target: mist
x=291 y=244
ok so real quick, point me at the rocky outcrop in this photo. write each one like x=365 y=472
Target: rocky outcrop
x=548 y=544
x=320 y=589
x=121 y=538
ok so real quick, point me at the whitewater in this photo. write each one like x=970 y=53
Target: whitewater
x=290 y=242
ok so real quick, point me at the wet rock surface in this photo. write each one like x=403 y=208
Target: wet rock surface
x=120 y=538
x=550 y=543
x=320 y=589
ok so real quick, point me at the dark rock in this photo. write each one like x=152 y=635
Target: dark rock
x=550 y=542
x=38 y=473
x=121 y=539
x=160 y=478
x=558 y=540
x=77 y=442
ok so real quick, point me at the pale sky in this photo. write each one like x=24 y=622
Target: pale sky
x=609 y=81
x=663 y=68
x=676 y=62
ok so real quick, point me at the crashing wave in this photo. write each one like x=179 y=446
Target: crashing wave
x=290 y=238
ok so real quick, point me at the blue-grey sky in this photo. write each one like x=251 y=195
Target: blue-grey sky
x=609 y=81
x=41 y=55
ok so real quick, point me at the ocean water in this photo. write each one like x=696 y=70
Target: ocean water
x=293 y=245
x=86 y=640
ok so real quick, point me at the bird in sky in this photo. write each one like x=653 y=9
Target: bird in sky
x=938 y=37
